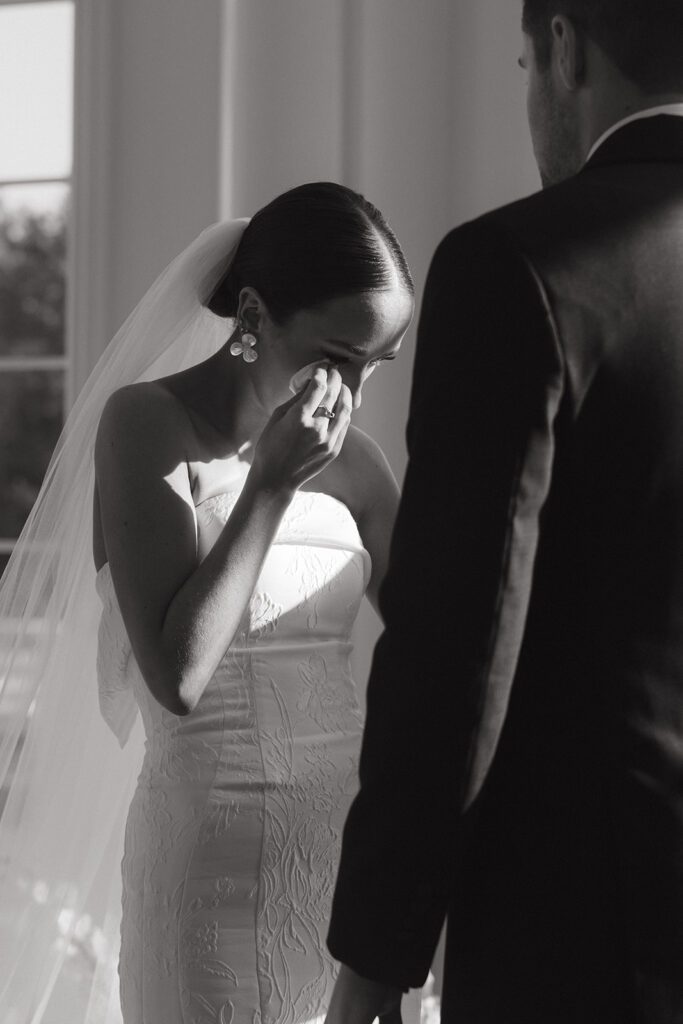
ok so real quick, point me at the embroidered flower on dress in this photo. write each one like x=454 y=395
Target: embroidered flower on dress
x=265 y=615
x=224 y=887
x=201 y=941
x=327 y=702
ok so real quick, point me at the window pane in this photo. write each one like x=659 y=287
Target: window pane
x=36 y=90
x=32 y=269
x=31 y=406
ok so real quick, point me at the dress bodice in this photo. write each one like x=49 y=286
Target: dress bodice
x=307 y=594
x=314 y=575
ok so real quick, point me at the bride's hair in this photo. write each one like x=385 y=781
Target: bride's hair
x=311 y=244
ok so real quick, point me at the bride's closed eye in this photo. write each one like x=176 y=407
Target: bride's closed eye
x=340 y=360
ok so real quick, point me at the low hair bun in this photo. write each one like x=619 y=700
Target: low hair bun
x=224 y=298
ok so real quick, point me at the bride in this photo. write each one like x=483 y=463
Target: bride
x=237 y=520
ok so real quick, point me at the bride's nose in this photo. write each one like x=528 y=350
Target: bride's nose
x=354 y=382
x=354 y=377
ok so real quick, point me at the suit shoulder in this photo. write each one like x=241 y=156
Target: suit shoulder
x=484 y=240
x=485 y=289
x=486 y=258
x=528 y=227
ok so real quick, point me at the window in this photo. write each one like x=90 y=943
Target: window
x=36 y=128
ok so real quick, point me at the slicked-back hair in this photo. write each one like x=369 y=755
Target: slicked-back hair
x=314 y=243
x=644 y=38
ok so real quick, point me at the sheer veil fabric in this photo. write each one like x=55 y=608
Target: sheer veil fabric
x=65 y=781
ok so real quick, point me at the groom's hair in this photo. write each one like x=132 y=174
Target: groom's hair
x=644 y=38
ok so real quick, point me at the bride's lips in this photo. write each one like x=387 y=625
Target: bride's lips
x=302 y=376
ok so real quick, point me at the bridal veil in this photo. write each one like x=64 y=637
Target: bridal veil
x=70 y=748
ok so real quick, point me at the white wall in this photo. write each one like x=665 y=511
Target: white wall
x=165 y=136
x=147 y=141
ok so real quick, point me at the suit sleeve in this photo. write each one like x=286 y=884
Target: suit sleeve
x=487 y=383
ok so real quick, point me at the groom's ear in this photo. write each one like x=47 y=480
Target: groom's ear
x=568 y=50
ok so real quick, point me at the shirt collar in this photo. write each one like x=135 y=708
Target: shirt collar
x=675 y=109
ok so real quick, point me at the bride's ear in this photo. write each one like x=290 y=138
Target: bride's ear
x=252 y=310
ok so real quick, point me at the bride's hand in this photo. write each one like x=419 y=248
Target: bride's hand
x=296 y=444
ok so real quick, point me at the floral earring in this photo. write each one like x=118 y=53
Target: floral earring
x=245 y=347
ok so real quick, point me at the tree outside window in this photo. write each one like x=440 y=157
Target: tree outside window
x=36 y=101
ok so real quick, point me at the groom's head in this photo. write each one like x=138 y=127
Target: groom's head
x=592 y=62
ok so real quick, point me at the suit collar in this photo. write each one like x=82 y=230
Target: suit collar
x=648 y=140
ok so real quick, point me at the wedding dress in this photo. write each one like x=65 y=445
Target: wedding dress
x=234 y=831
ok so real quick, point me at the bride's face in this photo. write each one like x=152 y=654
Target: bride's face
x=355 y=333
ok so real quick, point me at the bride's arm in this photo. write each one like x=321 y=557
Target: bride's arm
x=375 y=482
x=180 y=615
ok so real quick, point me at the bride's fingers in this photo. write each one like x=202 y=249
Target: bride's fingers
x=340 y=424
x=334 y=386
x=334 y=383
x=314 y=392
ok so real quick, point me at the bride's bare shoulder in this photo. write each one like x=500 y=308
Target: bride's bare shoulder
x=367 y=476
x=145 y=414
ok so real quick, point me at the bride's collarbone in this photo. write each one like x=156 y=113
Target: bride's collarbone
x=215 y=461
x=218 y=464
x=210 y=476
x=222 y=476
x=229 y=478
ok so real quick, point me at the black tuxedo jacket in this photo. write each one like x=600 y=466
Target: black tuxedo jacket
x=522 y=764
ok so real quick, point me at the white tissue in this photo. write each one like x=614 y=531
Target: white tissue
x=302 y=376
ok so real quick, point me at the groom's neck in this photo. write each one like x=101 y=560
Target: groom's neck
x=608 y=97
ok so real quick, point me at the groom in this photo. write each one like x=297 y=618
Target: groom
x=522 y=765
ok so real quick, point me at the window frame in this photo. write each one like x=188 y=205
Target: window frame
x=14 y=364
x=85 y=318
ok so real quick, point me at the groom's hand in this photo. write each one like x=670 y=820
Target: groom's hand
x=357 y=1000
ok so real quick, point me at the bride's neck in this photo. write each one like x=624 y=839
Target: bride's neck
x=234 y=403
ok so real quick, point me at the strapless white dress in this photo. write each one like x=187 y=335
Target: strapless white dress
x=234 y=832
